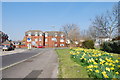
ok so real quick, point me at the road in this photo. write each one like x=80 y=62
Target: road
x=13 y=58
x=44 y=65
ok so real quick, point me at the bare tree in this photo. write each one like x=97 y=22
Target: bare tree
x=107 y=24
x=72 y=32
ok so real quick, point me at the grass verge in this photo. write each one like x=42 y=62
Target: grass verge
x=68 y=68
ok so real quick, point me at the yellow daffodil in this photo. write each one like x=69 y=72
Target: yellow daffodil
x=116 y=72
x=112 y=68
x=97 y=71
x=108 y=69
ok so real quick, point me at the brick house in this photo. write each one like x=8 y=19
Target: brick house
x=55 y=39
x=47 y=39
x=34 y=38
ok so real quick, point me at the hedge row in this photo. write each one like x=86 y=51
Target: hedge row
x=113 y=46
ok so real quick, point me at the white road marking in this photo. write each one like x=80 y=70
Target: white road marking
x=19 y=62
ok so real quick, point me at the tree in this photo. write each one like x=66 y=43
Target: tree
x=72 y=32
x=107 y=24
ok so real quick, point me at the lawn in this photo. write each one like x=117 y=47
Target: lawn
x=68 y=68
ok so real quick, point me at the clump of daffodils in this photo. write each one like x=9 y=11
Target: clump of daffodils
x=98 y=63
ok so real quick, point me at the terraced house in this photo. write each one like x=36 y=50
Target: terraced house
x=35 y=38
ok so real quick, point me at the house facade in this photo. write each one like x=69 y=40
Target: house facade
x=35 y=38
x=54 y=39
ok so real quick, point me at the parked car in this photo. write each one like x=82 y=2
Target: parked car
x=40 y=46
x=8 y=47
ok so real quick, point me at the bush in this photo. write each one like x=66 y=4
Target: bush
x=89 y=44
x=113 y=46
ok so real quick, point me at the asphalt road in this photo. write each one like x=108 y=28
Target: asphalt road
x=44 y=65
x=13 y=58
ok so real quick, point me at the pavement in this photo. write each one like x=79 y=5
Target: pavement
x=43 y=65
x=19 y=50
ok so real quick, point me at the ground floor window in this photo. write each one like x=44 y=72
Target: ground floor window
x=61 y=44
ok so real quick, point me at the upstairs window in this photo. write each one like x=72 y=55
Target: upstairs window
x=36 y=34
x=40 y=34
x=54 y=39
x=28 y=39
x=40 y=39
x=29 y=33
x=55 y=34
x=46 y=40
x=61 y=40
x=46 y=34
x=36 y=40
x=62 y=35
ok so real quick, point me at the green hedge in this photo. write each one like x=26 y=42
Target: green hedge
x=113 y=46
x=89 y=44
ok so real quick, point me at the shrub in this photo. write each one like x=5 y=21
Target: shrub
x=113 y=46
x=89 y=44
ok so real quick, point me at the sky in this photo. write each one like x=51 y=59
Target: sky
x=19 y=17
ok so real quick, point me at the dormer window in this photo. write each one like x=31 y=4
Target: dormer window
x=62 y=35
x=55 y=34
x=36 y=34
x=29 y=33
x=40 y=34
x=46 y=34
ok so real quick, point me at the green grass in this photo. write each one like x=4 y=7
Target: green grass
x=68 y=68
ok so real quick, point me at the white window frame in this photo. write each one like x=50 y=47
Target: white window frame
x=61 y=40
x=40 y=39
x=56 y=35
x=62 y=45
x=62 y=35
x=40 y=34
x=56 y=45
x=36 y=33
x=46 y=40
x=46 y=34
x=29 y=33
x=36 y=40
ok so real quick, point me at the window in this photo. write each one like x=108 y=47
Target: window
x=54 y=39
x=55 y=44
x=61 y=40
x=40 y=34
x=29 y=33
x=46 y=34
x=40 y=39
x=62 y=35
x=46 y=44
x=55 y=34
x=46 y=40
x=28 y=39
x=36 y=34
x=61 y=44
x=36 y=40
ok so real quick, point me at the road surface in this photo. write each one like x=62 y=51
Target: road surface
x=44 y=65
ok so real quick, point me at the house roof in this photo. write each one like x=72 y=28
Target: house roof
x=52 y=33
x=32 y=32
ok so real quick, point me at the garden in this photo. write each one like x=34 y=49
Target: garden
x=99 y=64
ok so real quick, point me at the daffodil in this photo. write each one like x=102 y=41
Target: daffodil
x=108 y=69
x=112 y=68
x=97 y=71
x=116 y=72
